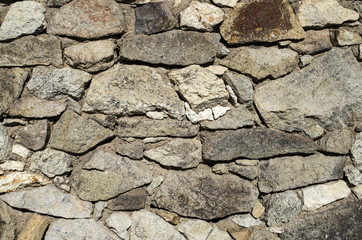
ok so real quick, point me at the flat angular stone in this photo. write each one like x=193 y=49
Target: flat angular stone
x=12 y=166
x=12 y=181
x=129 y=201
x=50 y=201
x=336 y=142
x=92 y=56
x=201 y=16
x=249 y=172
x=278 y=174
x=130 y=90
x=201 y=88
x=226 y=3
x=110 y=172
x=262 y=62
x=54 y=83
x=246 y=220
x=356 y=151
x=254 y=143
x=21 y=151
x=154 y=17
x=143 y=127
x=79 y=229
x=133 y=150
x=5 y=144
x=205 y=195
x=346 y=37
x=178 y=153
x=34 y=136
x=241 y=85
x=36 y=108
x=74 y=134
x=7 y=223
x=314 y=42
x=261 y=21
x=195 y=229
x=353 y=175
x=87 y=19
x=323 y=13
x=324 y=94
x=40 y=50
x=35 y=228
x=217 y=234
x=174 y=47
x=119 y=223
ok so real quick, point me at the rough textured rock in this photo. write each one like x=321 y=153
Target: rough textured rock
x=7 y=224
x=154 y=17
x=178 y=153
x=147 y=225
x=254 y=143
x=141 y=127
x=261 y=21
x=322 y=13
x=34 y=229
x=36 y=108
x=91 y=56
x=78 y=229
x=262 y=234
x=129 y=201
x=353 y=175
x=74 y=134
x=51 y=162
x=87 y=19
x=317 y=196
x=20 y=52
x=200 y=87
x=258 y=210
x=217 y=234
x=336 y=142
x=133 y=150
x=346 y=37
x=201 y=16
x=241 y=85
x=21 y=151
x=12 y=166
x=226 y=3
x=282 y=207
x=249 y=172
x=314 y=42
x=34 y=136
x=129 y=90
x=99 y=209
x=278 y=174
x=5 y=144
x=56 y=3
x=12 y=181
x=54 y=83
x=262 y=62
x=170 y=217
x=246 y=220
x=112 y=173
x=341 y=221
x=49 y=200
x=171 y=48
x=204 y=195
x=195 y=229
x=119 y=223
x=358 y=191
x=330 y=98
x=156 y=182
x=356 y=151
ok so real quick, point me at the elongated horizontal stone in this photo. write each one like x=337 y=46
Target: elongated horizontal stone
x=279 y=174
x=12 y=181
x=254 y=143
x=36 y=108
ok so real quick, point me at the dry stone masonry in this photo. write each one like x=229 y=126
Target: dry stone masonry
x=180 y=120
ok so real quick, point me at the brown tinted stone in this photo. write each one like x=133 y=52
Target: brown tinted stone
x=132 y=200
x=34 y=136
x=314 y=42
x=261 y=21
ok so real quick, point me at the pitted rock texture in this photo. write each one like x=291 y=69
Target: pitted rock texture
x=36 y=108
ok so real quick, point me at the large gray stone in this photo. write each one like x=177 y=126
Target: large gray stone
x=49 y=200
x=34 y=136
x=5 y=144
x=23 y=18
x=87 y=19
x=205 y=195
x=254 y=143
x=74 y=134
x=31 y=50
x=323 y=94
x=111 y=173
x=279 y=174
x=130 y=90
x=31 y=107
x=174 y=47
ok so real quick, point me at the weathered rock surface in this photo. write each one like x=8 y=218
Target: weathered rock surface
x=133 y=150
x=171 y=48
x=254 y=143
x=147 y=225
x=51 y=162
x=12 y=166
x=314 y=42
x=336 y=142
x=119 y=223
x=23 y=18
x=249 y=172
x=35 y=228
x=154 y=17
x=129 y=201
x=322 y=13
x=356 y=151
x=87 y=19
x=30 y=107
x=217 y=234
x=262 y=62
x=49 y=200
x=261 y=21
x=34 y=136
x=330 y=98
x=142 y=127
x=74 y=134
x=156 y=182
x=21 y=151
x=278 y=174
x=226 y=3
x=56 y=3
x=317 y=196
x=204 y=195
x=91 y=56
x=21 y=52
x=353 y=175
x=78 y=229
x=195 y=229
x=129 y=90
x=201 y=16
x=282 y=207
x=341 y=221
x=12 y=181
x=51 y=84
x=178 y=153
x=246 y=220
x=346 y=37
x=112 y=173
x=241 y=85
x=7 y=223
x=5 y=144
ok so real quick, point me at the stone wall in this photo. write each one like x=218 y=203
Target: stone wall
x=172 y=119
